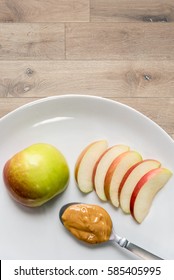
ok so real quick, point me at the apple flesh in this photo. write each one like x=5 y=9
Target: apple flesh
x=102 y=166
x=116 y=172
x=145 y=191
x=85 y=165
x=131 y=178
x=36 y=174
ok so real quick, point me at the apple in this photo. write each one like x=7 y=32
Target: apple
x=131 y=178
x=145 y=191
x=85 y=164
x=116 y=172
x=102 y=166
x=36 y=174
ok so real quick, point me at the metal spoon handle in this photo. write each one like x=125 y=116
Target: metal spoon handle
x=136 y=250
x=143 y=254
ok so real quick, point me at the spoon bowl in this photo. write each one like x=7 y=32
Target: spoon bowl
x=121 y=241
x=64 y=207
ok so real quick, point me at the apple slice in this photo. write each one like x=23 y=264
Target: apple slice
x=116 y=172
x=145 y=191
x=102 y=166
x=85 y=164
x=131 y=178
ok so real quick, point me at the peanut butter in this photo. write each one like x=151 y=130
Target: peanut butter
x=89 y=223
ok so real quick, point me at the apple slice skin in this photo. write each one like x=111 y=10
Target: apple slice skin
x=126 y=176
x=36 y=174
x=142 y=167
x=85 y=164
x=145 y=191
x=101 y=166
x=80 y=159
x=113 y=173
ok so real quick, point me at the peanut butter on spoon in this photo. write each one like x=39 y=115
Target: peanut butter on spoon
x=92 y=224
x=89 y=223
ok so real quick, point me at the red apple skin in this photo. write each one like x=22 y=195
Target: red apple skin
x=83 y=176
x=5 y=172
x=126 y=176
x=128 y=173
x=98 y=161
x=109 y=173
x=140 y=184
x=95 y=167
x=11 y=184
x=80 y=159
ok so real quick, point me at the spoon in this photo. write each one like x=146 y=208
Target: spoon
x=121 y=241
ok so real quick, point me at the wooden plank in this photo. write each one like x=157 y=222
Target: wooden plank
x=103 y=78
x=120 y=41
x=44 y=11
x=31 y=41
x=159 y=110
x=132 y=11
x=7 y=105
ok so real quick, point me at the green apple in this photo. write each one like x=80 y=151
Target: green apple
x=36 y=174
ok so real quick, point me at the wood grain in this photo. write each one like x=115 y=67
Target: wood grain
x=127 y=41
x=31 y=41
x=7 y=105
x=44 y=11
x=119 y=49
x=159 y=110
x=105 y=78
x=132 y=11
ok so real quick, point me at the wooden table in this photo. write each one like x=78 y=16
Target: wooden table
x=118 y=49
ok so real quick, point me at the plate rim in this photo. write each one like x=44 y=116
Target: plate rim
x=67 y=96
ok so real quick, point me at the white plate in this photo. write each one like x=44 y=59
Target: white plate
x=70 y=123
